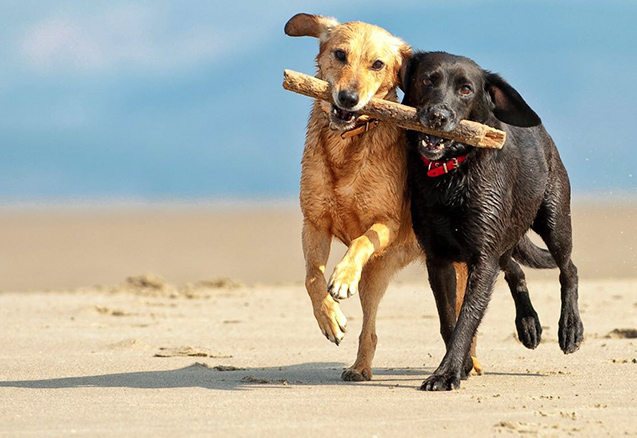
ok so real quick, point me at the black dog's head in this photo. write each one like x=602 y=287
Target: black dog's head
x=447 y=89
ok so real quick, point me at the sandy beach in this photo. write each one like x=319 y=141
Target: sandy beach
x=193 y=321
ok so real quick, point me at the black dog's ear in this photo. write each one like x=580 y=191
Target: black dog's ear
x=406 y=53
x=315 y=26
x=509 y=106
x=404 y=76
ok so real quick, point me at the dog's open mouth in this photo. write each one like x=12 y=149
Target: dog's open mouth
x=433 y=147
x=342 y=119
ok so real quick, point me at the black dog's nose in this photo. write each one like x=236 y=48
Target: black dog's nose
x=347 y=99
x=437 y=117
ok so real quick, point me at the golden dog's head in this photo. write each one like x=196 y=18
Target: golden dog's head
x=358 y=60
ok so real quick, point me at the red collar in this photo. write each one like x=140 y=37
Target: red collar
x=437 y=168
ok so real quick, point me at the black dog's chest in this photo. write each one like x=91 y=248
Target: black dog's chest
x=447 y=239
x=439 y=215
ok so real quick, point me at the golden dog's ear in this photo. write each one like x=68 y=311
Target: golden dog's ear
x=405 y=52
x=315 y=26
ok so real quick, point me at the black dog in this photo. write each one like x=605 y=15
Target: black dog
x=475 y=205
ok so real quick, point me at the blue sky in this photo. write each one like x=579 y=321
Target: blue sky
x=167 y=100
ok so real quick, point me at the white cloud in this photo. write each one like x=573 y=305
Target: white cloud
x=120 y=38
x=61 y=41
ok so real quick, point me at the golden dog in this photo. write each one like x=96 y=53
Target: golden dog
x=353 y=181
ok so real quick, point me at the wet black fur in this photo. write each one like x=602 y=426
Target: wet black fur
x=479 y=213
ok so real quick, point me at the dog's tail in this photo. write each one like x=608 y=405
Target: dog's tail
x=529 y=254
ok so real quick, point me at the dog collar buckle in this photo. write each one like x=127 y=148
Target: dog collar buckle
x=361 y=129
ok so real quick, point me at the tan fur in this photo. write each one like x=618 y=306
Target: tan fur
x=355 y=189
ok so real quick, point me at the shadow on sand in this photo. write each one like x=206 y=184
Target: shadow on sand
x=204 y=376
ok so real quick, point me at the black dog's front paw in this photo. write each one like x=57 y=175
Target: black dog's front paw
x=571 y=332
x=441 y=382
x=529 y=330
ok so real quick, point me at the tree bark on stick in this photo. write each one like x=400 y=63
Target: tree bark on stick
x=467 y=132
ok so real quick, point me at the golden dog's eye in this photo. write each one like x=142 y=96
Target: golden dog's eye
x=428 y=82
x=465 y=89
x=378 y=65
x=340 y=55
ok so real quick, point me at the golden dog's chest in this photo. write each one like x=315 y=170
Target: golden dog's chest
x=348 y=205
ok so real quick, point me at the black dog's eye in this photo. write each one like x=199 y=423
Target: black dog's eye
x=378 y=65
x=428 y=82
x=465 y=89
x=340 y=55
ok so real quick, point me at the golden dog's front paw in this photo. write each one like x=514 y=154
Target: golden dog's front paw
x=331 y=320
x=344 y=281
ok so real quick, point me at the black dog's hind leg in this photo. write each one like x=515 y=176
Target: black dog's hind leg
x=553 y=224
x=527 y=322
x=482 y=276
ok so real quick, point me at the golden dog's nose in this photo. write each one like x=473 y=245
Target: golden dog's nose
x=347 y=99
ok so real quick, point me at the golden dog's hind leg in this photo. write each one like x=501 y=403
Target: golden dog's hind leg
x=374 y=281
x=461 y=285
x=328 y=314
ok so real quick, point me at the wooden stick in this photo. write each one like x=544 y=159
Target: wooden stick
x=467 y=132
